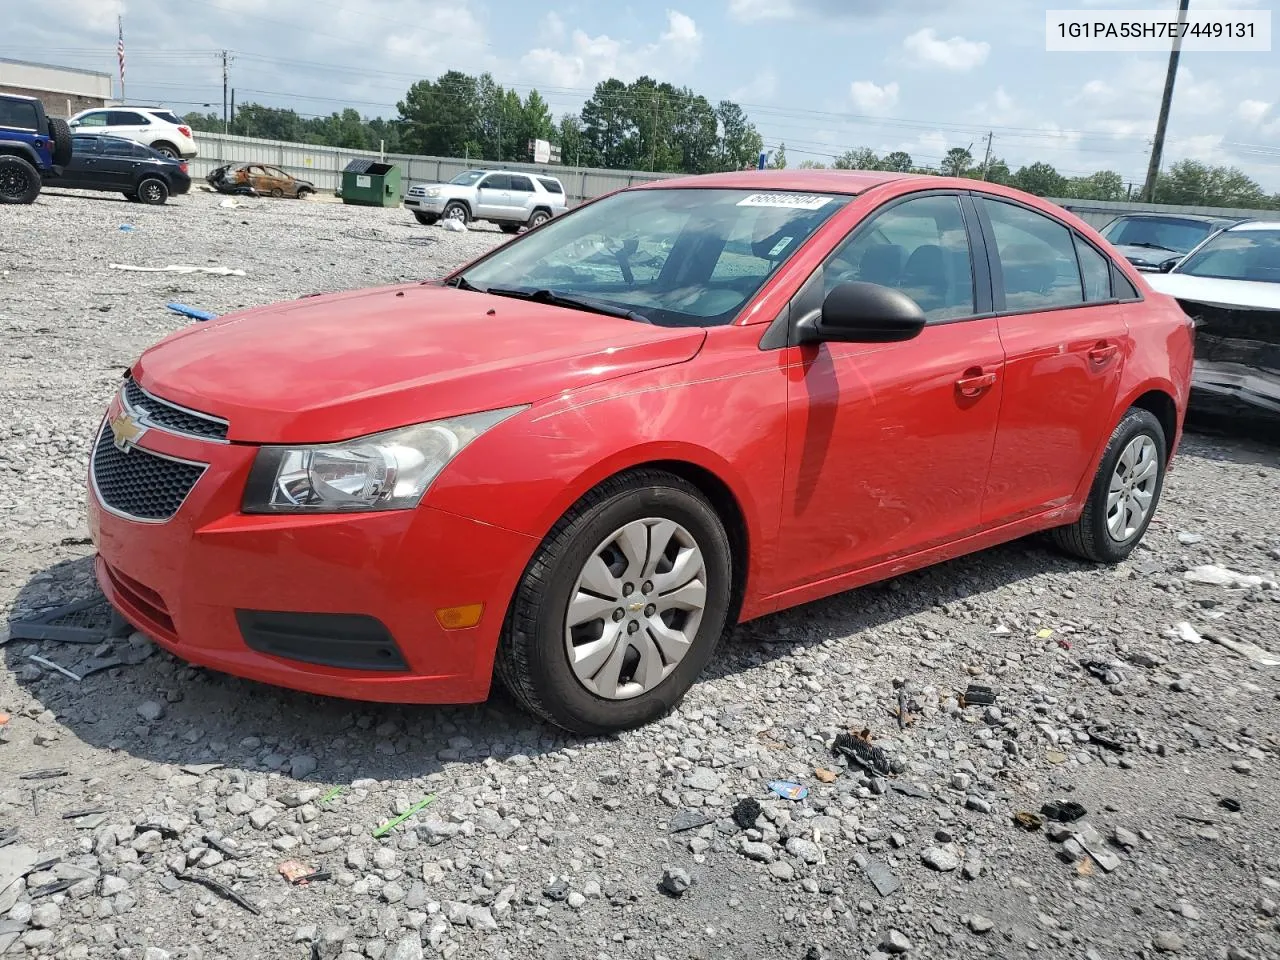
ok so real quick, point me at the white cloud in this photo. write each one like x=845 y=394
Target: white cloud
x=872 y=98
x=1252 y=111
x=955 y=53
x=762 y=87
x=552 y=29
x=592 y=59
x=753 y=11
x=1207 y=148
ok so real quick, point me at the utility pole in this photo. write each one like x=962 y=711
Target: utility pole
x=233 y=109
x=653 y=151
x=986 y=161
x=226 y=123
x=501 y=104
x=1157 y=146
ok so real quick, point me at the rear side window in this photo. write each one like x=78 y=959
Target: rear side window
x=523 y=184
x=18 y=114
x=1096 y=270
x=139 y=152
x=551 y=186
x=126 y=118
x=115 y=147
x=167 y=117
x=1037 y=258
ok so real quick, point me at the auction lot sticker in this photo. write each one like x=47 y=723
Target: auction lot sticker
x=789 y=201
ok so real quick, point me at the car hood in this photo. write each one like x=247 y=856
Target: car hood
x=344 y=365
x=1148 y=255
x=1211 y=290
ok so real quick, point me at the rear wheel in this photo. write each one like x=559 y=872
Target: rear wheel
x=153 y=191
x=622 y=606
x=60 y=134
x=168 y=149
x=277 y=192
x=538 y=219
x=303 y=193
x=1124 y=494
x=457 y=211
x=426 y=219
x=19 y=181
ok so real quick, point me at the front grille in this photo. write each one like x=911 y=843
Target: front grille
x=140 y=484
x=169 y=416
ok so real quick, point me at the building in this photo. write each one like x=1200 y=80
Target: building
x=63 y=90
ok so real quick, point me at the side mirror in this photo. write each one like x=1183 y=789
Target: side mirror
x=1167 y=265
x=863 y=313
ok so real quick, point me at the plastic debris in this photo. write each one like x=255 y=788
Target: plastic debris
x=180 y=268
x=1105 y=738
x=53 y=666
x=1063 y=811
x=1230 y=803
x=224 y=847
x=977 y=695
x=192 y=312
x=390 y=825
x=746 y=811
x=223 y=891
x=1217 y=576
x=229 y=204
x=49 y=889
x=860 y=751
x=1028 y=821
x=452 y=225
x=84 y=621
x=789 y=790
x=878 y=873
x=127 y=228
x=1044 y=634
x=825 y=775
x=1092 y=843
x=1250 y=650
x=688 y=820
x=1186 y=633
x=4 y=718
x=329 y=796
x=46 y=774
x=77 y=814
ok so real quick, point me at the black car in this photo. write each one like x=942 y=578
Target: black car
x=144 y=175
x=1148 y=240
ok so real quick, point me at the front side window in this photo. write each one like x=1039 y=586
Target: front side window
x=1237 y=255
x=496 y=181
x=523 y=184
x=1037 y=258
x=920 y=247
x=97 y=119
x=126 y=118
x=691 y=257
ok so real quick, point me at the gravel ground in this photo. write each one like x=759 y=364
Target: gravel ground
x=538 y=845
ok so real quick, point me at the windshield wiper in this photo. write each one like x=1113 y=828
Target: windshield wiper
x=462 y=283
x=1152 y=246
x=572 y=301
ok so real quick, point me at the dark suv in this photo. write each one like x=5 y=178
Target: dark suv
x=32 y=146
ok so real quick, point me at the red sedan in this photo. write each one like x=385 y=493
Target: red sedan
x=577 y=460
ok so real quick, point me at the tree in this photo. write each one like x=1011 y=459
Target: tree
x=534 y=122
x=605 y=125
x=862 y=159
x=1040 y=179
x=779 y=159
x=740 y=144
x=441 y=116
x=956 y=162
x=898 y=161
x=1192 y=182
x=569 y=138
x=1103 y=185
x=997 y=172
x=813 y=165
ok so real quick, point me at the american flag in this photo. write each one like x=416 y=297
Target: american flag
x=120 y=54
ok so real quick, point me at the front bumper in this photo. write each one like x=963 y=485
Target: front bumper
x=425 y=204
x=196 y=582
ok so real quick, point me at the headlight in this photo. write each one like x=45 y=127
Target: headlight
x=433 y=192
x=384 y=471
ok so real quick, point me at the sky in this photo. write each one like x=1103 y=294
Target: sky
x=821 y=76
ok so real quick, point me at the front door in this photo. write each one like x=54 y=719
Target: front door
x=889 y=444
x=494 y=196
x=1065 y=342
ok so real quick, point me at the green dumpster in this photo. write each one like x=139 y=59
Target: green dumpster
x=370 y=183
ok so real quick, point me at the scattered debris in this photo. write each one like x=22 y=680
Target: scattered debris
x=390 y=825
x=16 y=861
x=180 y=268
x=1044 y=634
x=47 y=774
x=452 y=225
x=1218 y=576
x=53 y=666
x=1090 y=841
x=229 y=204
x=1186 y=633
x=825 y=775
x=1096 y=667
x=1063 y=811
x=878 y=873
x=688 y=820
x=192 y=312
x=223 y=891
x=977 y=695
x=84 y=621
x=50 y=888
x=296 y=872
x=746 y=811
x=77 y=814
x=675 y=881
x=1105 y=739
x=1250 y=650
x=788 y=790
x=1230 y=803
x=225 y=847
x=908 y=789
x=1028 y=821
x=858 y=748
x=557 y=891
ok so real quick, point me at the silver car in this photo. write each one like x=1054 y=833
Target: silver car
x=510 y=199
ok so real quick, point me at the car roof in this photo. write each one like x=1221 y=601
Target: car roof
x=1255 y=225
x=813 y=181
x=1198 y=217
x=19 y=96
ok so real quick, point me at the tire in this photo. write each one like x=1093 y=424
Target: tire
x=168 y=149
x=510 y=227
x=538 y=218
x=277 y=192
x=426 y=219
x=60 y=134
x=19 y=180
x=533 y=659
x=456 y=211
x=303 y=193
x=153 y=191
x=1095 y=536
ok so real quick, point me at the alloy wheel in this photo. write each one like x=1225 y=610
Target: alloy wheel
x=635 y=609
x=14 y=182
x=1133 y=488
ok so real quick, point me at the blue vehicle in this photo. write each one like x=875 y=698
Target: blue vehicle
x=33 y=146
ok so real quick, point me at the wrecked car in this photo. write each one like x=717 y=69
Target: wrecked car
x=1230 y=287
x=258 y=180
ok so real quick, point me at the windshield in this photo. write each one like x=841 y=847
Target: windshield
x=1237 y=255
x=1177 y=236
x=676 y=257
x=467 y=178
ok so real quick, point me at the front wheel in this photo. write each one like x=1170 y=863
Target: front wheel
x=621 y=608
x=303 y=193
x=19 y=180
x=1124 y=494
x=457 y=211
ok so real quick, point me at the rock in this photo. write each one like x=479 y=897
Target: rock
x=240 y=804
x=557 y=891
x=980 y=924
x=148 y=842
x=782 y=870
x=263 y=816
x=302 y=765
x=329 y=944
x=112 y=885
x=408 y=948
x=704 y=779
x=576 y=900
x=1267 y=907
x=1125 y=838
x=806 y=850
x=878 y=873
x=151 y=710
x=894 y=942
x=155 y=953
x=941 y=859
x=1166 y=941
x=754 y=850
x=675 y=881
x=46 y=915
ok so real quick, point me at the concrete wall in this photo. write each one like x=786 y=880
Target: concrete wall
x=323 y=166
x=62 y=90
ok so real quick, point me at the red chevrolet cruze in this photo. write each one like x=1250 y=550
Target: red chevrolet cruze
x=580 y=458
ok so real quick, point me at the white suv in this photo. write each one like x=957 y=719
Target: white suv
x=153 y=127
x=511 y=199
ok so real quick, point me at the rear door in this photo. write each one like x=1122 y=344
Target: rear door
x=522 y=197
x=1065 y=340
x=119 y=164
x=493 y=198
x=130 y=124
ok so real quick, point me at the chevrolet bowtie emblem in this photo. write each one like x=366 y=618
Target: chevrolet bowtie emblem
x=126 y=431
x=636 y=607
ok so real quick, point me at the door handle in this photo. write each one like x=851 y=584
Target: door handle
x=975 y=382
x=1103 y=352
